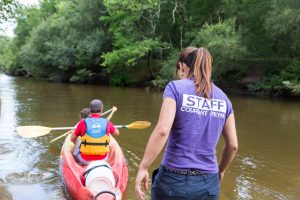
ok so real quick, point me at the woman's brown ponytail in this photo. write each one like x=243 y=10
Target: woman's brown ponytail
x=199 y=61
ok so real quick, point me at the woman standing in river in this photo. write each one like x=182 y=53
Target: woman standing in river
x=194 y=113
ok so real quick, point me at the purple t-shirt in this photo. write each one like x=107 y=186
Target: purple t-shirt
x=196 y=128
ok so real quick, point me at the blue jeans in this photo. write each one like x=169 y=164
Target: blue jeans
x=170 y=186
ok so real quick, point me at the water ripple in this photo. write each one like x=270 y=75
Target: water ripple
x=6 y=148
x=248 y=189
x=133 y=159
x=30 y=177
x=248 y=185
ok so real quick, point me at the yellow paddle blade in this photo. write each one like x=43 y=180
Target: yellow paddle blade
x=32 y=131
x=139 y=125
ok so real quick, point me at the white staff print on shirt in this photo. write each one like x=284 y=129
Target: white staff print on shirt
x=202 y=106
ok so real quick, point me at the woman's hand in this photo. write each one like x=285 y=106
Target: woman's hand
x=142 y=179
x=221 y=176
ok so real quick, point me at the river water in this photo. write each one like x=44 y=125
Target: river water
x=267 y=166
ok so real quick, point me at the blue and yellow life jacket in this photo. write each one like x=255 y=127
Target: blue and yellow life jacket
x=95 y=141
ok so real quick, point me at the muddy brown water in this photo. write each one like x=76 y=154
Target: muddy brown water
x=267 y=165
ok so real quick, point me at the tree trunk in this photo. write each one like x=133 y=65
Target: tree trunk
x=152 y=75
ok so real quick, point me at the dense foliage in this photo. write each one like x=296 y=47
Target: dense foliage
x=6 y=9
x=255 y=44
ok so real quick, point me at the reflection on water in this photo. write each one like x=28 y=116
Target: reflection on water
x=19 y=157
x=267 y=165
x=133 y=159
x=247 y=184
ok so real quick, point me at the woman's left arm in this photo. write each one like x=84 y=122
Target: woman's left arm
x=155 y=143
x=230 y=145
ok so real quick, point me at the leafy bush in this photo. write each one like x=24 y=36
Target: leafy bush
x=82 y=76
x=224 y=44
x=168 y=70
x=285 y=82
x=5 y=53
x=118 y=77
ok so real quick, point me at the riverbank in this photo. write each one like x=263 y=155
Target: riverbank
x=240 y=88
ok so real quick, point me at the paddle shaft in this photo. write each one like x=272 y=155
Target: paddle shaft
x=68 y=128
x=63 y=135
x=108 y=111
x=62 y=128
x=120 y=126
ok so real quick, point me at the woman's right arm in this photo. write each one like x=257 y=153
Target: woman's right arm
x=155 y=144
x=231 y=145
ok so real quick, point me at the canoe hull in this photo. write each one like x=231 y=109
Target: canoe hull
x=74 y=181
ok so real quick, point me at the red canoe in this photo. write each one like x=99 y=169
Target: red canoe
x=73 y=179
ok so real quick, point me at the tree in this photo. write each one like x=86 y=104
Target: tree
x=66 y=45
x=224 y=43
x=133 y=24
x=5 y=53
x=250 y=17
x=283 y=26
x=7 y=9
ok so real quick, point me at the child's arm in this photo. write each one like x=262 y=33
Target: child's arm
x=114 y=109
x=78 y=130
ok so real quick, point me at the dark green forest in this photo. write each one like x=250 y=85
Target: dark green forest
x=255 y=44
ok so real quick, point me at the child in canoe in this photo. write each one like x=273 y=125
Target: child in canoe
x=94 y=131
